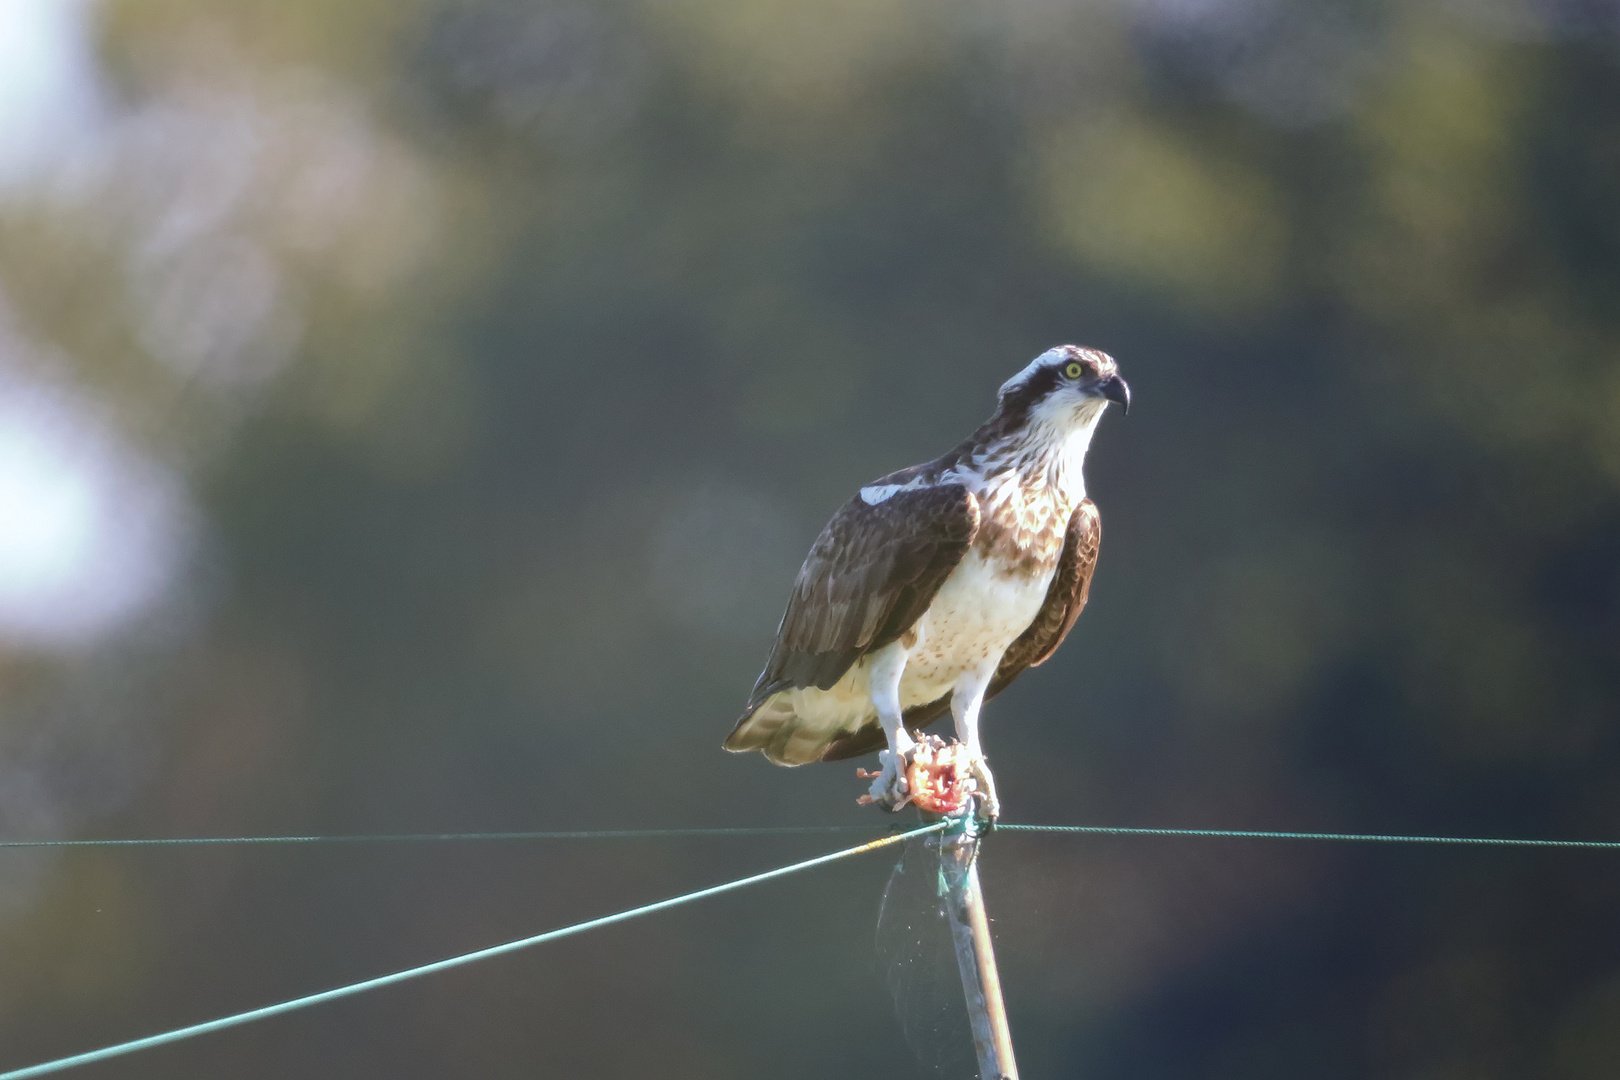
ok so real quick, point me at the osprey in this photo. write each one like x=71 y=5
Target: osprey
x=936 y=586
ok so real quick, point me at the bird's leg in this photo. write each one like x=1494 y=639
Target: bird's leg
x=889 y=790
x=966 y=701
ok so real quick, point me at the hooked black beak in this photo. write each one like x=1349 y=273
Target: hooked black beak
x=1114 y=389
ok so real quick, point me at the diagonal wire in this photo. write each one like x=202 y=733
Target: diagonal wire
x=223 y=1022
x=178 y=1034
x=1259 y=834
x=412 y=838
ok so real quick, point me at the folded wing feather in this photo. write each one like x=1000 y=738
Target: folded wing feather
x=869 y=577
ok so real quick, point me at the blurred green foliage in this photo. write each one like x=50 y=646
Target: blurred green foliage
x=511 y=353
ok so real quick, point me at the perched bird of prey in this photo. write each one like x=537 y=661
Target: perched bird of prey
x=937 y=585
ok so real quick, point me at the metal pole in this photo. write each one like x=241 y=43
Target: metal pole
x=975 y=958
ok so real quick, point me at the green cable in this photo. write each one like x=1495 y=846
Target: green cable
x=787 y=830
x=177 y=1034
x=408 y=838
x=1256 y=834
x=947 y=824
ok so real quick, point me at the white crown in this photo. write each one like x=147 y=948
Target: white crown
x=1050 y=356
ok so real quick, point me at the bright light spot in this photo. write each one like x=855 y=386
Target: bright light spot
x=48 y=82
x=91 y=533
x=47 y=516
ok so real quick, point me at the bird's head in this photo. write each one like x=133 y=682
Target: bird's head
x=1066 y=387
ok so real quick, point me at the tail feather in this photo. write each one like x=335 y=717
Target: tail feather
x=781 y=734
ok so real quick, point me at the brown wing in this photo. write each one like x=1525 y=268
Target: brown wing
x=869 y=576
x=1065 y=597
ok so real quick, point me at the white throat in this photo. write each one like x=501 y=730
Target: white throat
x=1049 y=452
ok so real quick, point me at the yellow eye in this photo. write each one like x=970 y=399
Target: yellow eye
x=1073 y=369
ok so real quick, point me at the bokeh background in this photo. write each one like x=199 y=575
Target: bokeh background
x=412 y=413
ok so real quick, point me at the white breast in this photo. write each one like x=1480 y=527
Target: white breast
x=979 y=611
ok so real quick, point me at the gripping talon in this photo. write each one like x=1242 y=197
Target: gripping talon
x=889 y=788
x=987 y=806
x=938 y=777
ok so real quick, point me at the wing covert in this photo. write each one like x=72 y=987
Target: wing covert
x=869 y=576
x=1065 y=598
